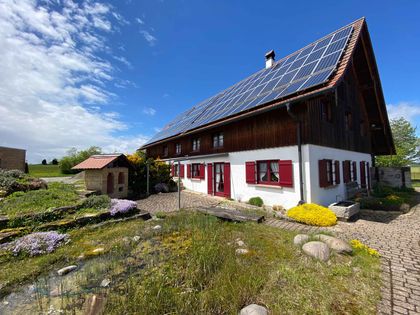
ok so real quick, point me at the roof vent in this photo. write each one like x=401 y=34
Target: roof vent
x=269 y=59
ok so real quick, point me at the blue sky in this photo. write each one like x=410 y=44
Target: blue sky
x=112 y=73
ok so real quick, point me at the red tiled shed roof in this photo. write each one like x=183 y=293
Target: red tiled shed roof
x=96 y=162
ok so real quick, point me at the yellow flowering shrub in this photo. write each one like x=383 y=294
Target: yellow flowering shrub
x=358 y=245
x=313 y=214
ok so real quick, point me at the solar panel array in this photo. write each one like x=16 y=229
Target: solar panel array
x=306 y=68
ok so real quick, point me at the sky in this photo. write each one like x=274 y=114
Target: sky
x=112 y=73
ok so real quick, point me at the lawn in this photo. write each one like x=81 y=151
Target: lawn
x=39 y=170
x=189 y=266
x=415 y=183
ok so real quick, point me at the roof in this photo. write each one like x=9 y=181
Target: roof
x=312 y=69
x=97 y=162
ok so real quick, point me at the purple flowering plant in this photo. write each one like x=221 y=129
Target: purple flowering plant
x=121 y=206
x=37 y=243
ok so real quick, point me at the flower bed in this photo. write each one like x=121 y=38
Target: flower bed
x=120 y=206
x=358 y=245
x=37 y=243
x=313 y=214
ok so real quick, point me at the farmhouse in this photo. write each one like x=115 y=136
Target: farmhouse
x=12 y=159
x=302 y=128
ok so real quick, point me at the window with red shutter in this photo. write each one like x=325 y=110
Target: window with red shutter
x=368 y=175
x=202 y=172
x=172 y=170
x=286 y=173
x=354 y=171
x=250 y=172
x=325 y=169
x=362 y=174
x=210 y=178
x=337 y=172
x=188 y=170
x=227 y=180
x=346 y=171
x=181 y=173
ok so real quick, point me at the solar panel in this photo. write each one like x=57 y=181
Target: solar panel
x=306 y=68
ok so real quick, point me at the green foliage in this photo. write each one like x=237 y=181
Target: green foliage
x=97 y=202
x=256 y=201
x=388 y=198
x=74 y=157
x=54 y=162
x=35 y=201
x=159 y=172
x=406 y=145
x=44 y=162
x=10 y=180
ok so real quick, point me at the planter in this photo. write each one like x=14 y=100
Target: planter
x=344 y=210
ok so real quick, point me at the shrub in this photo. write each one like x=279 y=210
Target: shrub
x=256 y=201
x=313 y=214
x=74 y=157
x=120 y=206
x=37 y=243
x=359 y=246
x=97 y=202
x=161 y=188
x=54 y=162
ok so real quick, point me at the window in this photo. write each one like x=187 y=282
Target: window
x=329 y=172
x=165 y=151
x=196 y=170
x=175 y=170
x=326 y=111
x=348 y=121
x=268 y=172
x=196 y=144
x=178 y=148
x=326 y=173
x=218 y=140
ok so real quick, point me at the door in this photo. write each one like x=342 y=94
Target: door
x=110 y=184
x=219 y=179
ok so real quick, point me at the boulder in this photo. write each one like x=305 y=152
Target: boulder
x=254 y=309
x=300 y=239
x=66 y=270
x=335 y=244
x=317 y=250
x=157 y=227
x=241 y=251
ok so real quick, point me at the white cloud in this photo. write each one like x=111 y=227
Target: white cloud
x=149 y=111
x=408 y=110
x=140 y=21
x=52 y=82
x=149 y=38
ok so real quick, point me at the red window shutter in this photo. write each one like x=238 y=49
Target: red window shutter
x=354 y=171
x=368 y=175
x=202 y=171
x=210 y=178
x=181 y=172
x=322 y=168
x=346 y=171
x=250 y=172
x=362 y=174
x=188 y=170
x=172 y=170
x=286 y=173
x=337 y=172
x=227 y=179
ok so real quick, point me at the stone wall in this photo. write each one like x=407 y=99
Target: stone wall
x=392 y=176
x=12 y=159
x=98 y=180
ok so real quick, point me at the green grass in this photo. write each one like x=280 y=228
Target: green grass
x=39 y=170
x=36 y=201
x=190 y=267
x=415 y=183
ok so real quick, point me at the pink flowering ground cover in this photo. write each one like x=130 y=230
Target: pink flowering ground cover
x=119 y=206
x=37 y=243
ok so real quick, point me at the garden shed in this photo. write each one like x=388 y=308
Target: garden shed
x=107 y=173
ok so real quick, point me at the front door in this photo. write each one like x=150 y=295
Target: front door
x=219 y=179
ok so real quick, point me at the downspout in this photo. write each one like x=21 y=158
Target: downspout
x=299 y=141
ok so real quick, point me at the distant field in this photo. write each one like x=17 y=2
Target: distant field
x=39 y=170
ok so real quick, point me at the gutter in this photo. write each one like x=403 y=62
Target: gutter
x=299 y=141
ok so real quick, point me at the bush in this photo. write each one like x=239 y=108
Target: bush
x=54 y=162
x=161 y=188
x=313 y=214
x=256 y=201
x=74 y=157
x=97 y=202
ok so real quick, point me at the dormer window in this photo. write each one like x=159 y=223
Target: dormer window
x=178 y=148
x=196 y=144
x=218 y=140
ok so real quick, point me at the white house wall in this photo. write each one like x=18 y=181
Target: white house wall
x=275 y=195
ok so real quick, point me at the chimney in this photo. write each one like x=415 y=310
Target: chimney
x=269 y=59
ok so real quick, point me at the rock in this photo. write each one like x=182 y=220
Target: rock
x=105 y=283
x=254 y=309
x=240 y=243
x=136 y=238
x=317 y=250
x=157 y=227
x=300 y=239
x=241 y=251
x=335 y=244
x=66 y=270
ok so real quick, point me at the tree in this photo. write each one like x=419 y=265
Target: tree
x=74 y=157
x=54 y=162
x=44 y=162
x=406 y=145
